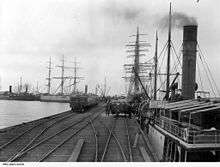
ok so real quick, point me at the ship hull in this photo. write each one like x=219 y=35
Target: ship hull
x=55 y=98
x=23 y=98
x=2 y=97
x=157 y=141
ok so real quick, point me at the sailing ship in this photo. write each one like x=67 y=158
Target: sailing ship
x=60 y=97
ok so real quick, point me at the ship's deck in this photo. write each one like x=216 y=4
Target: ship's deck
x=184 y=121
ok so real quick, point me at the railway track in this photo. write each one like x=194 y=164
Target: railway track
x=111 y=142
x=44 y=147
x=96 y=140
x=23 y=130
x=99 y=140
x=100 y=135
x=85 y=124
x=14 y=144
x=114 y=147
x=120 y=145
x=105 y=139
x=13 y=150
x=128 y=142
x=44 y=130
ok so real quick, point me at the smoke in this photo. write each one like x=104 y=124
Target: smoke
x=132 y=13
x=178 y=20
x=122 y=11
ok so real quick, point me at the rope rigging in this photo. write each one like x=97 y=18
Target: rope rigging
x=208 y=69
x=175 y=52
x=207 y=75
x=200 y=78
x=175 y=66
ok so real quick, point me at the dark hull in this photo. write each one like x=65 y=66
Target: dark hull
x=20 y=97
x=24 y=98
x=4 y=97
x=54 y=98
x=57 y=101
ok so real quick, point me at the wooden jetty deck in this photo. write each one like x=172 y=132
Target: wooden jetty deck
x=84 y=137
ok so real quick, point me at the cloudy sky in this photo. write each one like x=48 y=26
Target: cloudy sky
x=95 y=32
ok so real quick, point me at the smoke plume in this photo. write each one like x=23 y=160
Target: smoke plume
x=178 y=20
x=126 y=12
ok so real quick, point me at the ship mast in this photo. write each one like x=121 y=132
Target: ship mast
x=105 y=85
x=75 y=77
x=168 y=57
x=155 y=68
x=20 y=86
x=62 y=75
x=75 y=71
x=137 y=67
x=49 y=77
x=136 y=62
x=62 y=78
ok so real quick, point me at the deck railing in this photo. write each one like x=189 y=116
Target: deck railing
x=189 y=136
x=202 y=137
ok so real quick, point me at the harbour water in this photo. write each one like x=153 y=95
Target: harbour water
x=16 y=112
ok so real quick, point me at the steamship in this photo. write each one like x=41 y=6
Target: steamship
x=182 y=128
x=22 y=96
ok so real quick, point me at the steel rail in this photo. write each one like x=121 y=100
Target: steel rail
x=68 y=138
x=50 y=137
x=117 y=141
x=22 y=134
x=129 y=142
x=12 y=158
x=107 y=142
x=96 y=140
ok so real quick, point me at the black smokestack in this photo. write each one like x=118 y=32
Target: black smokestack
x=10 y=89
x=189 y=61
x=86 y=89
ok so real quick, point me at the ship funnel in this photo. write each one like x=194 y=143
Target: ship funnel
x=86 y=89
x=189 y=61
x=10 y=89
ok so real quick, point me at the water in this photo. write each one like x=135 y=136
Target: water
x=15 y=112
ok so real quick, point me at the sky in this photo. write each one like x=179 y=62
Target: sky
x=95 y=32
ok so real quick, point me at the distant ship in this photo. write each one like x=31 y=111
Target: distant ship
x=4 y=95
x=60 y=97
x=23 y=96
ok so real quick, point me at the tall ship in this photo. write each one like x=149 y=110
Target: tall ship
x=61 y=97
x=184 y=126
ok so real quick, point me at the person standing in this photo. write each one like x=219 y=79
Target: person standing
x=108 y=107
